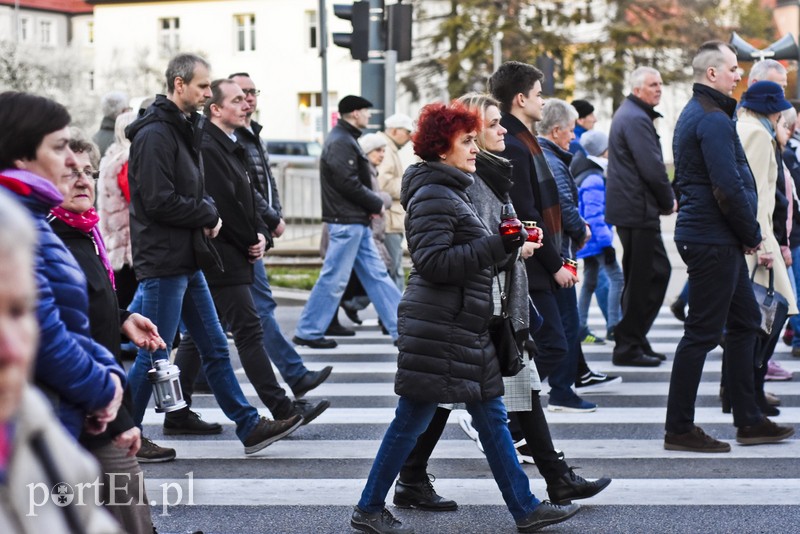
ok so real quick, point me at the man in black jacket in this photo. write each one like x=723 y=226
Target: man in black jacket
x=348 y=205
x=638 y=193
x=171 y=220
x=280 y=350
x=240 y=246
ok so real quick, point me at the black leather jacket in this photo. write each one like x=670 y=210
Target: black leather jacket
x=347 y=195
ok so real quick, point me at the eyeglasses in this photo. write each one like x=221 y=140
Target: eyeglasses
x=89 y=174
x=252 y=92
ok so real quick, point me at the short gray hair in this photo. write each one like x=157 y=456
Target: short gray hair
x=114 y=103
x=790 y=116
x=182 y=66
x=709 y=55
x=80 y=143
x=638 y=76
x=761 y=70
x=556 y=112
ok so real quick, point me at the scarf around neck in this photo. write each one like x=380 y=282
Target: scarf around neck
x=86 y=222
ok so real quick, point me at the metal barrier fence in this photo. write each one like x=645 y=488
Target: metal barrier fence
x=299 y=189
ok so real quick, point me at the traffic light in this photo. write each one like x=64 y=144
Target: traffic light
x=358 y=41
x=399 y=22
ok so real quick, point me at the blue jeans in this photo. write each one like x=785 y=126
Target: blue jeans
x=280 y=350
x=563 y=377
x=351 y=247
x=412 y=418
x=394 y=245
x=168 y=300
x=794 y=320
x=592 y=267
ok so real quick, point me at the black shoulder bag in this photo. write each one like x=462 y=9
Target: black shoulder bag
x=504 y=339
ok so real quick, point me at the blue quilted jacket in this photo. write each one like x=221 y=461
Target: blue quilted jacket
x=72 y=370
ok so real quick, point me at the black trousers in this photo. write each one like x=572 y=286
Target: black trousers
x=550 y=337
x=237 y=311
x=646 y=268
x=721 y=297
x=533 y=427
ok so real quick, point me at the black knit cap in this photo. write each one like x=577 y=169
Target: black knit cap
x=351 y=103
x=583 y=107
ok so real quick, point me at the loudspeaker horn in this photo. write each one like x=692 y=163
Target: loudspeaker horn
x=783 y=48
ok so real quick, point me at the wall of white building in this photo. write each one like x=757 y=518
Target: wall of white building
x=278 y=52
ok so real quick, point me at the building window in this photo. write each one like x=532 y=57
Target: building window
x=24 y=30
x=311 y=29
x=169 y=41
x=245 y=32
x=90 y=32
x=47 y=36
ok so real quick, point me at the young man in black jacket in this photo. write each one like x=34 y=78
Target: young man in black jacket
x=240 y=245
x=170 y=218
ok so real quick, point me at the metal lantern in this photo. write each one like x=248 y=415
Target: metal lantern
x=166 y=386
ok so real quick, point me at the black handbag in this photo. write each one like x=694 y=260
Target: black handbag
x=507 y=347
x=774 y=307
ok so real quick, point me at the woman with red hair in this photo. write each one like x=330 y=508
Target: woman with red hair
x=446 y=355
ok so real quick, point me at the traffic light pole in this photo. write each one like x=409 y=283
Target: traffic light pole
x=372 y=70
x=323 y=54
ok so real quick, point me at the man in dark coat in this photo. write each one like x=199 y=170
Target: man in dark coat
x=280 y=350
x=716 y=225
x=638 y=193
x=348 y=205
x=171 y=221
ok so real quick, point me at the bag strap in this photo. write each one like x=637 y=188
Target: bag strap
x=771 y=285
x=504 y=291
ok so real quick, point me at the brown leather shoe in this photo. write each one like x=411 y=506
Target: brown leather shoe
x=694 y=441
x=764 y=432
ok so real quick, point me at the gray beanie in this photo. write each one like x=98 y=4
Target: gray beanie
x=371 y=141
x=594 y=142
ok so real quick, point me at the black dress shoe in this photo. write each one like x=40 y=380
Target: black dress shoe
x=189 y=422
x=640 y=360
x=648 y=351
x=320 y=343
x=546 y=514
x=352 y=315
x=421 y=496
x=309 y=410
x=339 y=330
x=311 y=380
x=571 y=486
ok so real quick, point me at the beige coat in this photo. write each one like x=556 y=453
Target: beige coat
x=71 y=464
x=390 y=178
x=759 y=147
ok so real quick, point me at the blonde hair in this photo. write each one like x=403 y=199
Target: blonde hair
x=479 y=102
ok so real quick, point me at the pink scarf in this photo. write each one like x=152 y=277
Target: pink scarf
x=87 y=222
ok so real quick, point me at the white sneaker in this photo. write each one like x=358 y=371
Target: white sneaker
x=465 y=422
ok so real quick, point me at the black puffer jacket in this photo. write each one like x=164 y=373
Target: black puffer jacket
x=269 y=204
x=168 y=202
x=347 y=195
x=445 y=351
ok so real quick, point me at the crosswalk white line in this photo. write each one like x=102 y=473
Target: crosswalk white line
x=592 y=449
x=473 y=491
x=603 y=416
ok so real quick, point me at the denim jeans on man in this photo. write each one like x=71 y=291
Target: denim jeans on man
x=280 y=350
x=550 y=338
x=412 y=418
x=168 y=300
x=794 y=320
x=351 y=247
x=721 y=298
x=394 y=246
x=563 y=376
x=593 y=266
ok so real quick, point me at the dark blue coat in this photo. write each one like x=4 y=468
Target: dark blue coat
x=573 y=227
x=71 y=368
x=718 y=193
x=592 y=205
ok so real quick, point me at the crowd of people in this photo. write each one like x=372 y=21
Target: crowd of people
x=508 y=192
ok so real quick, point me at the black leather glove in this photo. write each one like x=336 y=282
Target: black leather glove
x=609 y=255
x=512 y=242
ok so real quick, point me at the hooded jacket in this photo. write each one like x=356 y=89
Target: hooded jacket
x=168 y=202
x=591 y=183
x=445 y=351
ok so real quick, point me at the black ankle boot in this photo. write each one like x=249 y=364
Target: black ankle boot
x=421 y=496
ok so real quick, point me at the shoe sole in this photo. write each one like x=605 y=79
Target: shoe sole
x=600 y=385
x=547 y=522
x=406 y=505
x=325 y=373
x=186 y=432
x=773 y=378
x=567 y=409
x=155 y=460
x=683 y=448
x=762 y=440
x=267 y=442
x=629 y=364
x=323 y=405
